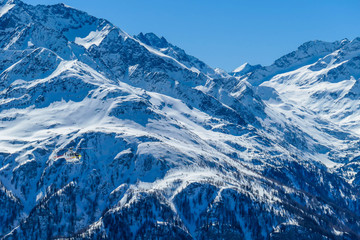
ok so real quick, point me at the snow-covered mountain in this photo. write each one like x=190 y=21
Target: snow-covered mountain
x=171 y=148
x=325 y=88
x=244 y=69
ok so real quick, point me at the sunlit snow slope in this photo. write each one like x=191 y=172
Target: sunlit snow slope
x=171 y=148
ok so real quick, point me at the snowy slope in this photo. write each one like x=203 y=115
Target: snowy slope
x=307 y=53
x=327 y=91
x=162 y=45
x=170 y=147
x=244 y=69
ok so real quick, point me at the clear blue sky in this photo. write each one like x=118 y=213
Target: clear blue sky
x=228 y=33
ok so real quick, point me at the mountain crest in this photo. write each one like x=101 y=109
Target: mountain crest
x=6 y=2
x=153 y=40
x=6 y=5
x=108 y=136
x=244 y=69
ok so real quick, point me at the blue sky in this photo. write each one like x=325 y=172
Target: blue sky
x=228 y=33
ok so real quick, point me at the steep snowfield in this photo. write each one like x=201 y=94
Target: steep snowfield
x=324 y=93
x=170 y=147
x=328 y=87
x=5 y=8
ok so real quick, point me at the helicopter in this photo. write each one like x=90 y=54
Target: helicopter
x=70 y=155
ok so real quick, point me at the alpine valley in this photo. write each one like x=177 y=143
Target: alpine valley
x=169 y=147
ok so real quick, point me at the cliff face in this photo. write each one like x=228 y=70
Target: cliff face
x=170 y=148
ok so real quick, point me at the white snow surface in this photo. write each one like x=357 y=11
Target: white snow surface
x=5 y=8
x=94 y=37
x=164 y=135
x=241 y=68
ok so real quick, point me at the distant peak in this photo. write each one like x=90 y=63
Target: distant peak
x=306 y=52
x=153 y=40
x=8 y=2
x=356 y=40
x=353 y=45
x=344 y=41
x=242 y=67
x=5 y=2
x=63 y=5
x=312 y=44
x=6 y=6
x=221 y=72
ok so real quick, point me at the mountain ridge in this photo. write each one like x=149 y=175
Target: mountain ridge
x=170 y=147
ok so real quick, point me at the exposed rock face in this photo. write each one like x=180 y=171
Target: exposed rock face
x=170 y=148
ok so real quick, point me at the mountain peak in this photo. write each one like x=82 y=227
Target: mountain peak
x=152 y=40
x=353 y=45
x=10 y=2
x=4 y=2
x=100 y=130
x=345 y=41
x=244 y=69
x=6 y=6
x=307 y=51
